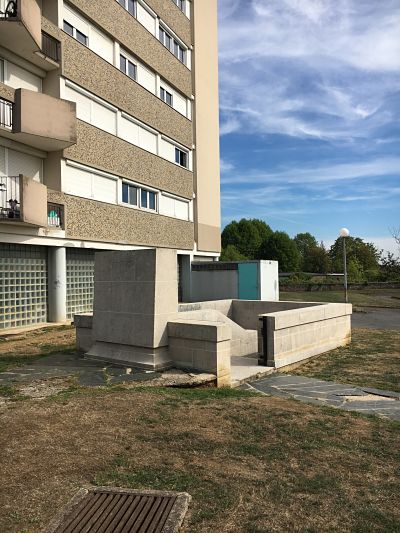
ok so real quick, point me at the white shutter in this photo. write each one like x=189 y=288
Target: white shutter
x=129 y=131
x=147 y=20
x=104 y=189
x=83 y=103
x=146 y=78
x=181 y=210
x=104 y=118
x=19 y=78
x=28 y=165
x=167 y=150
x=180 y=104
x=101 y=44
x=147 y=140
x=77 y=182
x=167 y=206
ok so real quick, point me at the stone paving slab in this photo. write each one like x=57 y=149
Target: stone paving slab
x=318 y=392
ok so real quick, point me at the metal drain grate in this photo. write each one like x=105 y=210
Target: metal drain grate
x=109 y=510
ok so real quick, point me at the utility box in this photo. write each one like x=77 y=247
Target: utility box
x=236 y=280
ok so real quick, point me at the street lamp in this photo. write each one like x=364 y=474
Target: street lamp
x=344 y=232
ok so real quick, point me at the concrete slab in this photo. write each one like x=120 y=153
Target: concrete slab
x=244 y=370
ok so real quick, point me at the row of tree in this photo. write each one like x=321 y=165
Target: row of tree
x=254 y=239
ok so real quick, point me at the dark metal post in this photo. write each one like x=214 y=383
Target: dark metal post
x=345 y=269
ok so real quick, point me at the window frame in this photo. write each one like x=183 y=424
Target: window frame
x=75 y=31
x=179 y=152
x=174 y=46
x=125 y=5
x=148 y=192
x=127 y=63
x=130 y=186
x=164 y=96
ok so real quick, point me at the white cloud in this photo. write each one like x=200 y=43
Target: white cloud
x=309 y=68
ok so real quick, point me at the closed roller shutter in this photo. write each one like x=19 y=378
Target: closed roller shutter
x=28 y=165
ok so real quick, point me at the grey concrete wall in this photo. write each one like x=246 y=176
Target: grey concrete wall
x=299 y=334
x=84 y=332
x=203 y=346
x=214 y=285
x=135 y=294
x=224 y=306
x=246 y=312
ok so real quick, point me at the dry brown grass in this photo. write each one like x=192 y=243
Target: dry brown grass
x=371 y=360
x=252 y=464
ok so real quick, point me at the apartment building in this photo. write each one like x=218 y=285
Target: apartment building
x=108 y=141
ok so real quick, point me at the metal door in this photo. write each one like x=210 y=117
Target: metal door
x=248 y=281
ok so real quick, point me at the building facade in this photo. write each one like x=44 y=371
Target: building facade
x=109 y=140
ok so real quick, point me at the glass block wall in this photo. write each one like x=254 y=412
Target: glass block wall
x=23 y=285
x=80 y=281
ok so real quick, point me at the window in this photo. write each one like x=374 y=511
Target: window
x=127 y=67
x=129 y=5
x=180 y=4
x=129 y=194
x=76 y=34
x=147 y=199
x=173 y=46
x=166 y=96
x=181 y=158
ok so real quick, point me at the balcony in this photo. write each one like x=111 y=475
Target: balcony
x=23 y=201
x=39 y=120
x=21 y=32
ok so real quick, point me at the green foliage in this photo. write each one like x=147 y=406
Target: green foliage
x=280 y=247
x=390 y=268
x=246 y=236
x=231 y=253
x=305 y=242
x=362 y=257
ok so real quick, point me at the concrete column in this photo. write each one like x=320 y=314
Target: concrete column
x=57 y=276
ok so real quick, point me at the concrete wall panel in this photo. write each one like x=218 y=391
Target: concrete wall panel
x=99 y=149
x=96 y=221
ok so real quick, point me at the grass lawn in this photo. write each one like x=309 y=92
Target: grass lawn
x=251 y=463
x=372 y=360
x=365 y=297
x=23 y=348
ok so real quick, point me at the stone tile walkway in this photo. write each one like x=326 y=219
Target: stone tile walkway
x=315 y=391
x=88 y=373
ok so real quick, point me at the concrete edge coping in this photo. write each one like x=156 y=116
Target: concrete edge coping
x=298 y=317
x=199 y=330
x=83 y=320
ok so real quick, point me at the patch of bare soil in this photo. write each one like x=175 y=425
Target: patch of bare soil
x=250 y=463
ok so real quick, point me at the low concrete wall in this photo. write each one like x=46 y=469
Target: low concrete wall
x=295 y=335
x=84 y=332
x=204 y=346
x=224 y=306
x=246 y=312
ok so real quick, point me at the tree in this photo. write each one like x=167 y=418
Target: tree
x=396 y=236
x=231 y=253
x=390 y=268
x=280 y=247
x=304 y=243
x=365 y=255
x=246 y=236
x=317 y=260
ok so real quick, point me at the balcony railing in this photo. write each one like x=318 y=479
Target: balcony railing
x=8 y=9
x=10 y=197
x=51 y=47
x=6 y=109
x=55 y=215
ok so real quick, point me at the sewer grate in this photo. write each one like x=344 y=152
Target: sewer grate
x=113 y=510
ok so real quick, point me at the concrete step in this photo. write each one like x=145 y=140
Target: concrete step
x=244 y=370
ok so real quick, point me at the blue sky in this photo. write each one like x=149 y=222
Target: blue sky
x=310 y=115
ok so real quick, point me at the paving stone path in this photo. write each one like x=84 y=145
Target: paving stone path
x=364 y=400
